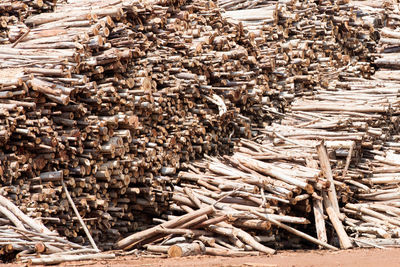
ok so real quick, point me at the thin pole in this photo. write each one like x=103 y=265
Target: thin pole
x=79 y=217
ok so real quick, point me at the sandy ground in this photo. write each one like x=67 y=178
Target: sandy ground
x=355 y=257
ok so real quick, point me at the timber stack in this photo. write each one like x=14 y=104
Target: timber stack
x=235 y=205
x=332 y=157
x=112 y=97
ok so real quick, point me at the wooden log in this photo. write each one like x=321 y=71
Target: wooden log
x=157 y=248
x=326 y=167
x=128 y=241
x=186 y=249
x=79 y=217
x=345 y=242
x=179 y=231
x=295 y=231
x=369 y=242
x=64 y=258
x=12 y=217
x=230 y=253
x=319 y=220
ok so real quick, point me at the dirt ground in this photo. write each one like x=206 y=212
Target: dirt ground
x=353 y=258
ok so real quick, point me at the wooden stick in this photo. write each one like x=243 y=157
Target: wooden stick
x=192 y=197
x=326 y=168
x=345 y=241
x=23 y=217
x=319 y=220
x=295 y=231
x=126 y=242
x=79 y=217
x=230 y=253
x=214 y=220
x=180 y=231
x=348 y=159
x=12 y=218
x=63 y=258
x=21 y=38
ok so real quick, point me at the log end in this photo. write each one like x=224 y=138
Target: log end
x=175 y=251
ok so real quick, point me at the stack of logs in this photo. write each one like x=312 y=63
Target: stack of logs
x=333 y=157
x=112 y=96
x=277 y=192
x=234 y=205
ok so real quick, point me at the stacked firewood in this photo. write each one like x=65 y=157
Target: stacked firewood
x=388 y=47
x=24 y=8
x=110 y=97
x=333 y=157
x=110 y=109
x=85 y=107
x=235 y=205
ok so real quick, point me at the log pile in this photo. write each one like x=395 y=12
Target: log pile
x=333 y=158
x=315 y=166
x=363 y=155
x=236 y=205
x=107 y=100
x=111 y=97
